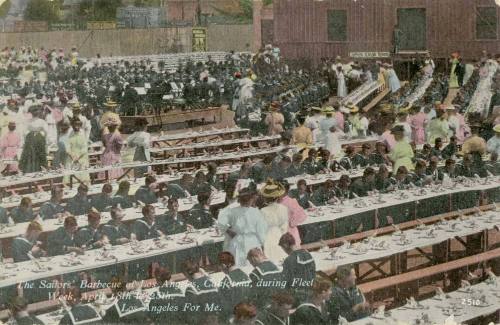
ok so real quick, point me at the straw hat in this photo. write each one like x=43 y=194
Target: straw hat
x=328 y=109
x=354 y=109
x=497 y=128
x=110 y=104
x=272 y=190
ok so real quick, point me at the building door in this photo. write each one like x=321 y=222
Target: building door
x=413 y=27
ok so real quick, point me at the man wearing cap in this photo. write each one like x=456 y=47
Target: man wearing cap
x=80 y=203
x=27 y=245
x=10 y=144
x=402 y=152
x=493 y=144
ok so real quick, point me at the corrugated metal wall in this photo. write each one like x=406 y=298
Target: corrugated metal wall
x=300 y=26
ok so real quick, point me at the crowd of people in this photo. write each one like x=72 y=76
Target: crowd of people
x=61 y=101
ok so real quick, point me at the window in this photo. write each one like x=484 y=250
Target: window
x=486 y=23
x=337 y=25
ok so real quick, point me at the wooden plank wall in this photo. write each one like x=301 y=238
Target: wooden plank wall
x=300 y=26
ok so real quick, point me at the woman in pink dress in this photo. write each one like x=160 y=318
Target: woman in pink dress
x=113 y=143
x=296 y=214
x=9 y=146
x=388 y=138
x=418 y=121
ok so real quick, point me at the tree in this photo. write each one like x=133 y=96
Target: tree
x=99 y=10
x=42 y=10
x=4 y=8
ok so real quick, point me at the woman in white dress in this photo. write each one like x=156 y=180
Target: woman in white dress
x=341 y=85
x=276 y=216
x=392 y=78
x=244 y=226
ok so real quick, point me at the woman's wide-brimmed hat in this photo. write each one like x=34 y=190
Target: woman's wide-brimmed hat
x=497 y=128
x=110 y=104
x=272 y=190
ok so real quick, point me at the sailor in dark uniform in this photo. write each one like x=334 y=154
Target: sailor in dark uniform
x=200 y=216
x=420 y=177
x=235 y=285
x=451 y=149
x=301 y=194
x=362 y=159
x=296 y=168
x=299 y=268
x=181 y=190
x=380 y=155
x=171 y=222
x=325 y=194
x=262 y=170
x=115 y=230
x=314 y=311
x=53 y=208
x=91 y=236
x=147 y=193
x=18 y=307
x=165 y=304
x=278 y=313
x=79 y=313
x=80 y=203
x=347 y=163
x=365 y=184
x=342 y=189
x=103 y=200
x=122 y=197
x=27 y=244
x=127 y=308
x=383 y=182
x=347 y=300
x=62 y=241
x=146 y=227
x=22 y=213
x=201 y=292
x=212 y=177
x=432 y=171
x=266 y=277
x=450 y=168
x=310 y=164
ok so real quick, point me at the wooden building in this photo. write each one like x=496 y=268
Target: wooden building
x=327 y=28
